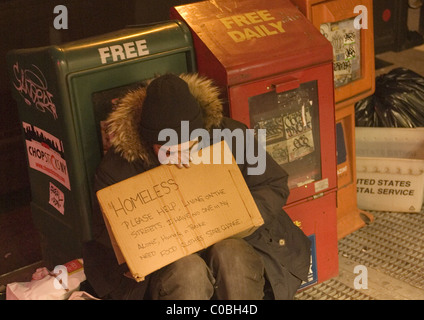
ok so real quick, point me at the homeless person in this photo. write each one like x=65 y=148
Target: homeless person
x=269 y=264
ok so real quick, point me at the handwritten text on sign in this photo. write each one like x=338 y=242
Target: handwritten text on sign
x=167 y=213
x=176 y=222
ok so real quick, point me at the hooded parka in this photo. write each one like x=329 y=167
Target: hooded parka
x=283 y=246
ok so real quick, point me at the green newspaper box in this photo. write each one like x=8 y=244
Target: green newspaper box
x=64 y=93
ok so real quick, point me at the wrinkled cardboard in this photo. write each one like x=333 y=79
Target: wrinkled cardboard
x=166 y=213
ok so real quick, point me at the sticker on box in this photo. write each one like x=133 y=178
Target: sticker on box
x=389 y=190
x=57 y=198
x=45 y=154
x=312 y=274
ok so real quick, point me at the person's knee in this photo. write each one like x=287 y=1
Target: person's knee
x=191 y=266
x=238 y=270
x=237 y=257
x=185 y=279
x=233 y=249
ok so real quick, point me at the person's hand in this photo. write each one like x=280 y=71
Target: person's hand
x=178 y=155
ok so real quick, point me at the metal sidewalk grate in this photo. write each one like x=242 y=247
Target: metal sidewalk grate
x=331 y=290
x=393 y=244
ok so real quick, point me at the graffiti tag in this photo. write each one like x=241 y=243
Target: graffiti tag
x=32 y=86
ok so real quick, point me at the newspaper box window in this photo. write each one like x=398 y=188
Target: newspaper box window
x=292 y=125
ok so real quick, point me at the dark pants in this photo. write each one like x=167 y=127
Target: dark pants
x=229 y=270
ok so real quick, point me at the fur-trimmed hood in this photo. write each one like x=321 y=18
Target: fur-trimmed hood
x=124 y=121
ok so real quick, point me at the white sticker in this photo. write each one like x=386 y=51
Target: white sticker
x=321 y=185
x=46 y=154
x=57 y=198
x=278 y=151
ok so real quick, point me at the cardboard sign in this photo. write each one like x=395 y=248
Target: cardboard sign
x=166 y=213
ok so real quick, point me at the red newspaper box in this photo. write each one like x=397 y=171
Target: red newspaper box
x=348 y=25
x=276 y=72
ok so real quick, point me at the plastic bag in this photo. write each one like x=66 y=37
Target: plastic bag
x=398 y=101
x=58 y=284
x=82 y=295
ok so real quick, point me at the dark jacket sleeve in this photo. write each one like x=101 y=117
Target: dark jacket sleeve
x=111 y=170
x=100 y=264
x=269 y=190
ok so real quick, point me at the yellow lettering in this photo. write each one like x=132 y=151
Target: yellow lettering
x=253 y=17
x=260 y=31
x=278 y=26
x=268 y=32
x=255 y=31
x=227 y=21
x=240 y=20
x=265 y=15
x=251 y=34
x=237 y=36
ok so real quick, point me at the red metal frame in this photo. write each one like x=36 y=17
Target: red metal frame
x=319 y=218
